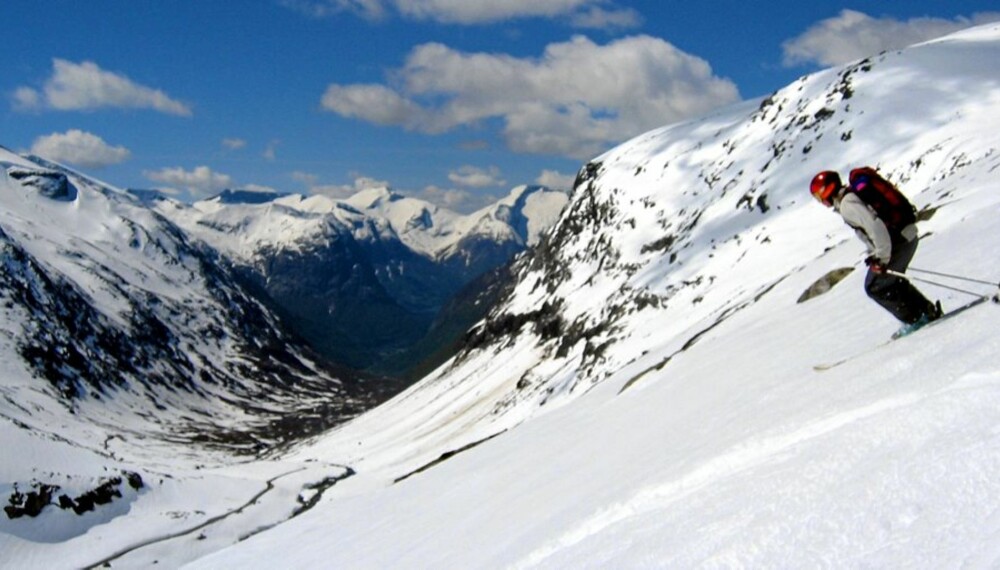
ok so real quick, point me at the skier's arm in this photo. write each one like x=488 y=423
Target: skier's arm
x=860 y=217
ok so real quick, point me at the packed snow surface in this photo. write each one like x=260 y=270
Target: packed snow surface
x=647 y=395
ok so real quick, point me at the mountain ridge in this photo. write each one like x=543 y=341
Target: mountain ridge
x=362 y=279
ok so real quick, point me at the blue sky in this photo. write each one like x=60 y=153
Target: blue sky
x=455 y=101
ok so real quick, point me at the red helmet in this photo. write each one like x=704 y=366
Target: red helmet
x=824 y=186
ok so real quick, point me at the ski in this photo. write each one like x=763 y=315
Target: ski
x=954 y=312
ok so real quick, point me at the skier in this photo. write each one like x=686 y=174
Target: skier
x=886 y=223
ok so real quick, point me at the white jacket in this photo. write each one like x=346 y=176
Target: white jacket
x=868 y=226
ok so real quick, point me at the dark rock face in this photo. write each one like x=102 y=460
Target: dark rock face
x=80 y=351
x=33 y=502
x=445 y=336
x=65 y=329
x=54 y=185
x=350 y=305
x=247 y=197
x=372 y=305
x=825 y=283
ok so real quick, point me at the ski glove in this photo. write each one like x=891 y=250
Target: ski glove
x=874 y=264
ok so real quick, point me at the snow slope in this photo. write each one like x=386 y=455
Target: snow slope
x=646 y=397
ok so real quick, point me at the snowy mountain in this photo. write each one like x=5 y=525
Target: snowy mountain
x=645 y=395
x=122 y=338
x=362 y=279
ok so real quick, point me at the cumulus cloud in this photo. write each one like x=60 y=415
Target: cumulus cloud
x=575 y=100
x=79 y=148
x=259 y=188
x=854 y=35
x=373 y=103
x=85 y=87
x=556 y=180
x=457 y=200
x=26 y=99
x=475 y=177
x=338 y=191
x=578 y=13
x=199 y=182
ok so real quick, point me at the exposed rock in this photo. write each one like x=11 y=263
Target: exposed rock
x=50 y=184
x=825 y=283
x=33 y=502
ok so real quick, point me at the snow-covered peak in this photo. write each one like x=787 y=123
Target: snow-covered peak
x=527 y=210
x=424 y=227
x=374 y=198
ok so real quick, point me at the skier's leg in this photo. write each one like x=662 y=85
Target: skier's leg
x=895 y=294
x=892 y=294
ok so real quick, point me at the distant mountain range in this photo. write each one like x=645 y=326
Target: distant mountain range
x=363 y=279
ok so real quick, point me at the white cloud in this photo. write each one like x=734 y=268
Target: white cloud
x=854 y=35
x=474 y=177
x=371 y=9
x=234 y=143
x=79 y=148
x=373 y=103
x=486 y=11
x=26 y=99
x=85 y=86
x=598 y=18
x=457 y=200
x=199 y=182
x=578 y=13
x=258 y=188
x=575 y=100
x=338 y=191
x=556 y=180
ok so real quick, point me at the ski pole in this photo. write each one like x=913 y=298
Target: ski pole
x=959 y=277
x=929 y=282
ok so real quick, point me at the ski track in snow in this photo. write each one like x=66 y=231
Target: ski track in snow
x=269 y=486
x=743 y=457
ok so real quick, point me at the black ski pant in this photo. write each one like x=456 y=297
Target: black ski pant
x=895 y=294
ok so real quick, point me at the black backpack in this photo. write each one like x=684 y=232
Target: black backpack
x=890 y=205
